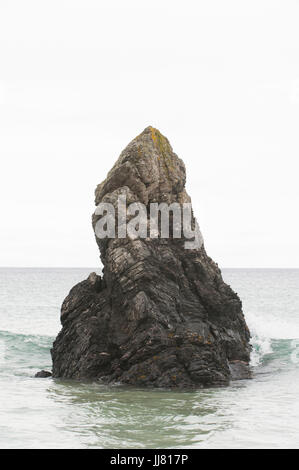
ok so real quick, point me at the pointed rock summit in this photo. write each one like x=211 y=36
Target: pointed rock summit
x=161 y=314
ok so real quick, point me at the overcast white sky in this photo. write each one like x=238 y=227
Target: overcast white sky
x=80 y=79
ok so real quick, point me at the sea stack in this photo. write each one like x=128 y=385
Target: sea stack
x=161 y=314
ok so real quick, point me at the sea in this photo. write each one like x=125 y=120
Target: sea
x=261 y=412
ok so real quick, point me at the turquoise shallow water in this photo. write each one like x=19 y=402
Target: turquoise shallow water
x=47 y=413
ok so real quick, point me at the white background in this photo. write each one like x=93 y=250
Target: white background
x=80 y=79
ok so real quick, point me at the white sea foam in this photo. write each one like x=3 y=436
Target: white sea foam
x=264 y=329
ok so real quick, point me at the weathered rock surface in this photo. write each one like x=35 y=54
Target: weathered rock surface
x=161 y=315
x=43 y=374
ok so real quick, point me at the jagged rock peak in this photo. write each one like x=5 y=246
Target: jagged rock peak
x=146 y=163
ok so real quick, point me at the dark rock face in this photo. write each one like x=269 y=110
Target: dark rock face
x=161 y=315
x=43 y=374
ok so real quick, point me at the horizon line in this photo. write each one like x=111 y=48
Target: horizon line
x=99 y=267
